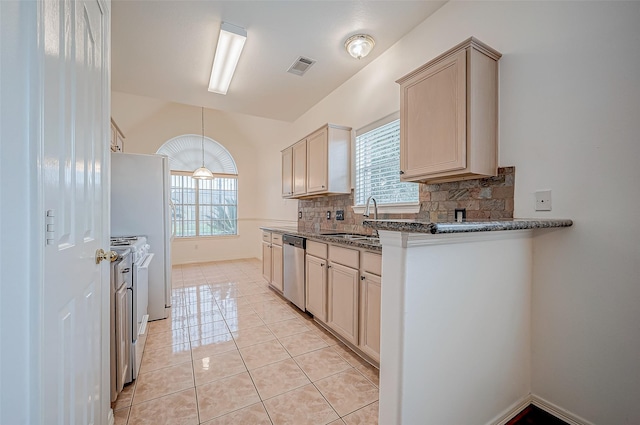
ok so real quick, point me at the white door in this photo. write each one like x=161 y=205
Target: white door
x=75 y=119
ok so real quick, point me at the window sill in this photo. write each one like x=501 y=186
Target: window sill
x=390 y=209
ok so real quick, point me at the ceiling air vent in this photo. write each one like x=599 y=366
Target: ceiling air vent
x=301 y=65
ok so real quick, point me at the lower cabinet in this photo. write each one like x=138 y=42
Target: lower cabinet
x=343 y=301
x=272 y=265
x=342 y=289
x=266 y=261
x=276 y=267
x=316 y=296
x=370 y=290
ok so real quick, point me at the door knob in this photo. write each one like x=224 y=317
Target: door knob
x=108 y=255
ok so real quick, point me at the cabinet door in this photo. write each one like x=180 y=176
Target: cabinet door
x=276 y=267
x=370 y=291
x=317 y=162
x=266 y=261
x=343 y=301
x=316 y=297
x=287 y=172
x=299 y=152
x=433 y=126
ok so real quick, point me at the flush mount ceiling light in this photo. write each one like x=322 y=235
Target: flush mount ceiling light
x=359 y=45
x=203 y=173
x=230 y=44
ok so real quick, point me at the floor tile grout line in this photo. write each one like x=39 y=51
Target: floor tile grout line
x=360 y=408
x=320 y=379
x=254 y=384
x=164 y=395
x=255 y=307
x=328 y=402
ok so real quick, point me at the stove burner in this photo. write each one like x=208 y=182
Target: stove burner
x=137 y=245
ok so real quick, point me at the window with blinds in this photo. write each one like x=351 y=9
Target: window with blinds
x=204 y=207
x=378 y=167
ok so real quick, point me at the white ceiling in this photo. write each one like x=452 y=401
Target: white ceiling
x=164 y=49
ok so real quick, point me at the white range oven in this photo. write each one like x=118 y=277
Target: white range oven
x=121 y=319
x=141 y=257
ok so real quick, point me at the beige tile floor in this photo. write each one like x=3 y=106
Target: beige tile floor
x=234 y=352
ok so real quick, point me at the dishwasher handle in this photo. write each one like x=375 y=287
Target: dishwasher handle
x=295 y=241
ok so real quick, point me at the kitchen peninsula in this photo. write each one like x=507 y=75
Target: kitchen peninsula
x=456 y=319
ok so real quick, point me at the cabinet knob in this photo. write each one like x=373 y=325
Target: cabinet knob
x=401 y=172
x=362 y=277
x=321 y=264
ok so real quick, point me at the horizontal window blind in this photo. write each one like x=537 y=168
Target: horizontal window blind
x=378 y=167
x=205 y=207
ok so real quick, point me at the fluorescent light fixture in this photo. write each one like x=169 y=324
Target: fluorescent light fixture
x=230 y=45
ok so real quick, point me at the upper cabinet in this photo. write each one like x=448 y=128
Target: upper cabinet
x=287 y=172
x=317 y=158
x=449 y=116
x=319 y=164
x=299 y=166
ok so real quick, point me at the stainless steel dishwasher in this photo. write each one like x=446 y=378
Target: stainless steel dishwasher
x=294 y=276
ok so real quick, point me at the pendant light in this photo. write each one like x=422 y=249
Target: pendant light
x=203 y=173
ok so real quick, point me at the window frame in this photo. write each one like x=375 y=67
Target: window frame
x=397 y=208
x=197 y=207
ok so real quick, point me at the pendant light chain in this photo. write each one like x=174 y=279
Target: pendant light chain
x=203 y=173
x=202 y=137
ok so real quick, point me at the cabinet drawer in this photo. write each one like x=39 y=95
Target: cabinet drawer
x=372 y=263
x=317 y=249
x=276 y=238
x=266 y=236
x=344 y=256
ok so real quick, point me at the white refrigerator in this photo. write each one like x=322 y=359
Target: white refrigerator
x=141 y=206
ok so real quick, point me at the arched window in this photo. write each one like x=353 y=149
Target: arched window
x=202 y=207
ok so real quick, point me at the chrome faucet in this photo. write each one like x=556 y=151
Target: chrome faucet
x=375 y=208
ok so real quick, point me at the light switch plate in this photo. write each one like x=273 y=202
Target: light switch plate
x=543 y=200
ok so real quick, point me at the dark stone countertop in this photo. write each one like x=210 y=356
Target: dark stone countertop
x=371 y=245
x=413 y=226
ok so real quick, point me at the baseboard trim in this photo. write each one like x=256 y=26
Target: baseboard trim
x=191 y=262
x=511 y=412
x=558 y=412
x=541 y=403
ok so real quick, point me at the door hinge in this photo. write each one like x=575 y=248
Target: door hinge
x=50 y=227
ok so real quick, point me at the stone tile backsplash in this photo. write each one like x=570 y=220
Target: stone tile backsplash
x=484 y=199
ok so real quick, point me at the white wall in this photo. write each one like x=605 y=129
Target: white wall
x=569 y=102
x=148 y=123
